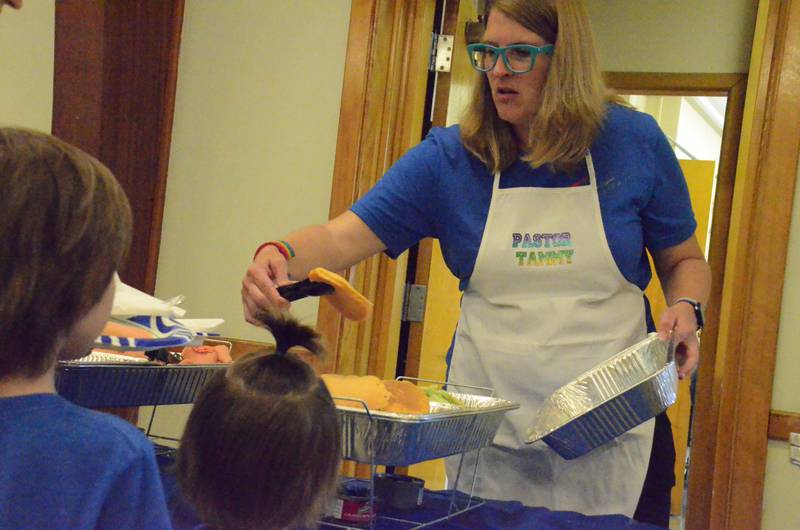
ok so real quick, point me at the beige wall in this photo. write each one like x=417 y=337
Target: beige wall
x=786 y=392
x=26 y=65
x=708 y=36
x=256 y=117
x=253 y=144
x=782 y=483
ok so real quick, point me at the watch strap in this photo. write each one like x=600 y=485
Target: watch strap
x=698 y=310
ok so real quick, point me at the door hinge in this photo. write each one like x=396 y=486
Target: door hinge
x=414 y=302
x=441 y=53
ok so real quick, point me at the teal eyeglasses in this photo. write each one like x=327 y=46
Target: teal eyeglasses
x=518 y=58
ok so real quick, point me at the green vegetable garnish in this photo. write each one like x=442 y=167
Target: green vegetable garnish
x=439 y=395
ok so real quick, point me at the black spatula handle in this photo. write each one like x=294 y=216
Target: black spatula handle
x=302 y=289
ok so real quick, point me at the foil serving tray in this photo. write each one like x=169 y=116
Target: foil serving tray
x=635 y=385
x=395 y=439
x=132 y=385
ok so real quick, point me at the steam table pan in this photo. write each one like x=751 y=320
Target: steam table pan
x=132 y=385
x=635 y=385
x=395 y=439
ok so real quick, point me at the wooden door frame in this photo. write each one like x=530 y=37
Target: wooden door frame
x=732 y=415
x=381 y=116
x=751 y=305
x=424 y=253
x=115 y=75
x=706 y=415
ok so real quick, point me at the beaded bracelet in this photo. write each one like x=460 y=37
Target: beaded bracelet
x=283 y=247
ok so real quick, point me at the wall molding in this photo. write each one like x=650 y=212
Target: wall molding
x=781 y=423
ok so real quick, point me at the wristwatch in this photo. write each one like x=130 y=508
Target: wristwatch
x=698 y=310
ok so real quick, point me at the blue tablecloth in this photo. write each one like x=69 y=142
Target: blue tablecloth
x=505 y=515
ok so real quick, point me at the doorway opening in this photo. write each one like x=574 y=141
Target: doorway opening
x=693 y=125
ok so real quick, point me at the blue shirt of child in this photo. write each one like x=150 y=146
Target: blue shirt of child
x=63 y=466
x=439 y=189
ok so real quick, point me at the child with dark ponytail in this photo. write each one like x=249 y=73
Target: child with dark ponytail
x=262 y=445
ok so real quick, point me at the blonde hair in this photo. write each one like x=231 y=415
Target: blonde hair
x=573 y=100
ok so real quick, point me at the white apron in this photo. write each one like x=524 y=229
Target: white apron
x=545 y=303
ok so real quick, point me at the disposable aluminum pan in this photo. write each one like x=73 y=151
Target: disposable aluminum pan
x=405 y=439
x=635 y=385
x=120 y=385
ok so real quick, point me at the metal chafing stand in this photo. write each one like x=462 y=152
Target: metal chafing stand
x=135 y=383
x=368 y=437
x=393 y=439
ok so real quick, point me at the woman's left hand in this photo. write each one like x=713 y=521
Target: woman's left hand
x=680 y=319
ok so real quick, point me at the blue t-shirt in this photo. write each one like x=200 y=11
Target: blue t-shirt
x=62 y=466
x=439 y=189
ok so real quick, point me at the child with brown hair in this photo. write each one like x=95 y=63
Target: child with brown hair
x=261 y=448
x=65 y=227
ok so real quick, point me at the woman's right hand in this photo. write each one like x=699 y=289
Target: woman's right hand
x=260 y=284
x=336 y=245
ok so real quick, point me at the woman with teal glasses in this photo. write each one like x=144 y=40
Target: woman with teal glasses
x=545 y=199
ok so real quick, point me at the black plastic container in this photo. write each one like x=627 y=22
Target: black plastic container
x=398 y=492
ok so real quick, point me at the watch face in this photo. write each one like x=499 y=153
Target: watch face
x=698 y=315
